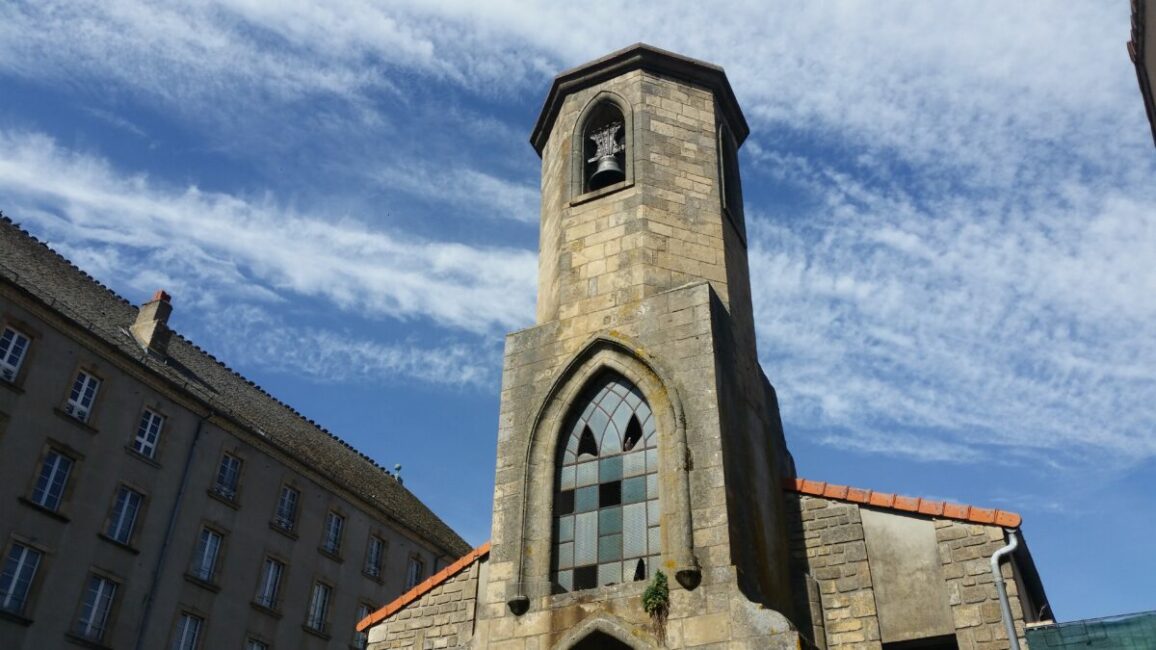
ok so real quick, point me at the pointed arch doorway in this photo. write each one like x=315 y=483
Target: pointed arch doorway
x=600 y=641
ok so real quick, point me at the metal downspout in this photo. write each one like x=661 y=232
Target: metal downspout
x=1001 y=588
x=146 y=611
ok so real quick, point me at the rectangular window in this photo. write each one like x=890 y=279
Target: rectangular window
x=82 y=396
x=124 y=512
x=286 y=516
x=334 y=524
x=49 y=489
x=13 y=345
x=374 y=556
x=205 y=558
x=413 y=572
x=148 y=432
x=270 y=584
x=254 y=644
x=361 y=639
x=188 y=632
x=228 y=476
x=16 y=581
x=318 y=607
x=95 y=611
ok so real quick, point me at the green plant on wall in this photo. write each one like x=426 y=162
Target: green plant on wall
x=656 y=602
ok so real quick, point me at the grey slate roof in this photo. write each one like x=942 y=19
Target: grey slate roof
x=47 y=276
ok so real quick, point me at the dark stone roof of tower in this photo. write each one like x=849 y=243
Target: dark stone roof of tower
x=644 y=57
x=51 y=279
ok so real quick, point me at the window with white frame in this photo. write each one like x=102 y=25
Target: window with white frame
x=16 y=580
x=148 y=433
x=374 y=556
x=188 y=632
x=270 y=585
x=414 y=571
x=254 y=644
x=13 y=346
x=125 y=509
x=204 y=563
x=334 y=526
x=49 y=489
x=82 y=395
x=228 y=476
x=96 y=609
x=318 y=607
x=361 y=639
x=286 y=516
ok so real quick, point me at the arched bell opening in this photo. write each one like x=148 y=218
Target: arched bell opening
x=604 y=138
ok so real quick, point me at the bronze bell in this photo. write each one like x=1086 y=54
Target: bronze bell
x=606 y=173
x=607 y=146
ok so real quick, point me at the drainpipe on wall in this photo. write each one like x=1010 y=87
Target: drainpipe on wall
x=146 y=611
x=1001 y=588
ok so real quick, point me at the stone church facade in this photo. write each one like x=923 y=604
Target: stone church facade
x=638 y=434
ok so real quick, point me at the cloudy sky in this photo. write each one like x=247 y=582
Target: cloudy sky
x=951 y=208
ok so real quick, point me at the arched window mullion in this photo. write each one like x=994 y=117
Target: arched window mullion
x=606 y=519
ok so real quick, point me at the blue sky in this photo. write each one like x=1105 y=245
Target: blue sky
x=951 y=212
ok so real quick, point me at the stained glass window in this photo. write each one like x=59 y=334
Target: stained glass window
x=606 y=506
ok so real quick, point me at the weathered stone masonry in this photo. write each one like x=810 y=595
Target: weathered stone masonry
x=439 y=613
x=832 y=561
x=645 y=279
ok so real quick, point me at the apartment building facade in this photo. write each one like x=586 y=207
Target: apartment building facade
x=150 y=497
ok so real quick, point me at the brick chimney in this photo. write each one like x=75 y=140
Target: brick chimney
x=151 y=328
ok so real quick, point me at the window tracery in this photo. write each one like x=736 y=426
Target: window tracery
x=606 y=505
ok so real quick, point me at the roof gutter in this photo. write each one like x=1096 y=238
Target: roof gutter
x=1001 y=588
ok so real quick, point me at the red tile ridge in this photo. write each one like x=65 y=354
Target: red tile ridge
x=835 y=491
x=425 y=587
x=957 y=511
x=907 y=504
x=881 y=499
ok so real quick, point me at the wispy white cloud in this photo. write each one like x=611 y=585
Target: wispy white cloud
x=260 y=338
x=885 y=77
x=225 y=243
x=958 y=328
x=470 y=192
x=963 y=269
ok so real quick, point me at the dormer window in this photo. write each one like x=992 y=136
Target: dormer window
x=604 y=147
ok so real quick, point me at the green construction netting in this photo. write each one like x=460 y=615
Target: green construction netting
x=1127 y=632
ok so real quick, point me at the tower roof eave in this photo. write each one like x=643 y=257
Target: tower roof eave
x=644 y=57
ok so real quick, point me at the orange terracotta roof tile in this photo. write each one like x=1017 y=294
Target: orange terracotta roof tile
x=907 y=504
x=425 y=587
x=835 y=491
x=957 y=511
x=930 y=507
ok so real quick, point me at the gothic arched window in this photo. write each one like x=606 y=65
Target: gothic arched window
x=604 y=147
x=606 y=507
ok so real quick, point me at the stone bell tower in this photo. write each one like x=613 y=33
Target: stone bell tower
x=638 y=433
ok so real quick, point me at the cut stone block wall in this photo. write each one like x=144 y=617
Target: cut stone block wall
x=828 y=545
x=829 y=551
x=441 y=618
x=966 y=550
